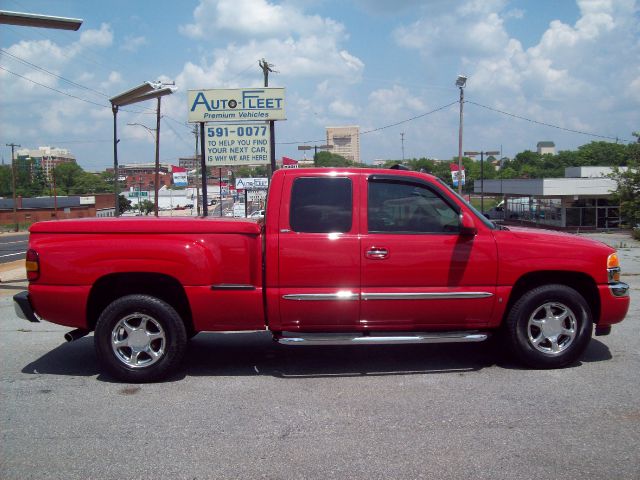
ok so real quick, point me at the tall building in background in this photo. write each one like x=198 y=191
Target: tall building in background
x=46 y=158
x=345 y=141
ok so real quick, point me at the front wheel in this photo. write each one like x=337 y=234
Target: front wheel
x=549 y=326
x=140 y=338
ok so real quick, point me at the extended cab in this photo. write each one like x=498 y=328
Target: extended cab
x=343 y=256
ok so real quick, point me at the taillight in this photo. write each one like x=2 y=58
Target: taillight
x=32 y=265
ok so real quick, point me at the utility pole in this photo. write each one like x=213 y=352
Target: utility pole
x=402 y=140
x=266 y=68
x=482 y=154
x=13 y=183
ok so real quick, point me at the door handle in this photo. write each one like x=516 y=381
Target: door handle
x=377 y=253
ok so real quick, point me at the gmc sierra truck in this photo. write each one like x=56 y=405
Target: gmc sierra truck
x=343 y=256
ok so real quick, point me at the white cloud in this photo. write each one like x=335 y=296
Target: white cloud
x=96 y=38
x=469 y=31
x=397 y=102
x=257 y=18
x=561 y=79
x=299 y=45
x=343 y=108
x=132 y=44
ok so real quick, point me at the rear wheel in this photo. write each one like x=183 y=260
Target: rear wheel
x=549 y=326
x=140 y=338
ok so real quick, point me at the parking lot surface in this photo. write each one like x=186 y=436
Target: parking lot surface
x=244 y=407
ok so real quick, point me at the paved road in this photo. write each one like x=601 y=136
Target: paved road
x=244 y=407
x=13 y=247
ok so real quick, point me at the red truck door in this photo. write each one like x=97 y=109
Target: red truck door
x=318 y=254
x=417 y=270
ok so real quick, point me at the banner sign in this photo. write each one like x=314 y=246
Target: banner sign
x=179 y=176
x=239 y=104
x=455 y=174
x=289 y=163
x=238 y=144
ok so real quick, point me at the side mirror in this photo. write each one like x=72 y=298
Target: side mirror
x=467 y=226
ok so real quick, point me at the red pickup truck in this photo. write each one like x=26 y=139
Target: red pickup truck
x=343 y=256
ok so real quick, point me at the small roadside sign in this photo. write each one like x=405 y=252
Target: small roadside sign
x=252 y=183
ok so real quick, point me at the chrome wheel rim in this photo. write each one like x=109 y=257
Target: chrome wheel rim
x=138 y=340
x=552 y=328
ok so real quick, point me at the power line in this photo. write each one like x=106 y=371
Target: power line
x=377 y=129
x=72 y=96
x=54 y=89
x=544 y=123
x=26 y=62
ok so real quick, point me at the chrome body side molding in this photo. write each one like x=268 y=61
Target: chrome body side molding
x=346 y=296
x=386 y=338
x=425 y=296
x=385 y=296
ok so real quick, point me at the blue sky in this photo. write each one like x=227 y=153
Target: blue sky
x=371 y=63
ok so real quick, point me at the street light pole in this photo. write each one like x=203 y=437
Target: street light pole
x=315 y=151
x=114 y=109
x=157 y=176
x=460 y=83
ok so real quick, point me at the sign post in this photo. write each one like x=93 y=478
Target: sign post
x=203 y=167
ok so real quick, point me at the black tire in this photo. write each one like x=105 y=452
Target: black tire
x=549 y=326
x=140 y=338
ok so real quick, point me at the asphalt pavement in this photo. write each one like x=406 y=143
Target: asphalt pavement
x=13 y=246
x=244 y=407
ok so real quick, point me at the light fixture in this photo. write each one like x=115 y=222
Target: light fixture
x=41 y=21
x=145 y=91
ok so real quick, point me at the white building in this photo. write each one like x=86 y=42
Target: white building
x=546 y=147
x=582 y=199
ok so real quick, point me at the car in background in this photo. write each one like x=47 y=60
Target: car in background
x=257 y=214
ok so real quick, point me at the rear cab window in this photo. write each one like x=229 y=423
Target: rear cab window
x=321 y=205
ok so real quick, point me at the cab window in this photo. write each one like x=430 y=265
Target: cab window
x=397 y=207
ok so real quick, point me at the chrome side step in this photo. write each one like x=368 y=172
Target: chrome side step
x=386 y=338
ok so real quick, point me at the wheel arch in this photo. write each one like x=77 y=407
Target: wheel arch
x=581 y=282
x=113 y=286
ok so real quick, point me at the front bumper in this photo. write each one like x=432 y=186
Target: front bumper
x=614 y=303
x=23 y=307
x=619 y=289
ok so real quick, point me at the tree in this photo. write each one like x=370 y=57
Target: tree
x=67 y=176
x=328 y=159
x=628 y=191
x=124 y=204
x=5 y=181
x=603 y=154
x=146 y=206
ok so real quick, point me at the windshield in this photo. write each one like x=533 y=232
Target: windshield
x=484 y=219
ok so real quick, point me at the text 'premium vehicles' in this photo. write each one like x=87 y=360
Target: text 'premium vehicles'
x=354 y=256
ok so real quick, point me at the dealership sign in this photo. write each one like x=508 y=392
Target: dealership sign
x=233 y=105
